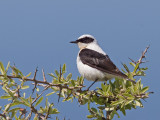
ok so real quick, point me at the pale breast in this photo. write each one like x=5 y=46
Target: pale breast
x=90 y=73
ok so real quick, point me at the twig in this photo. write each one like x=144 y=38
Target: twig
x=3 y=115
x=59 y=96
x=60 y=74
x=47 y=113
x=108 y=115
x=34 y=79
x=143 y=54
x=42 y=82
x=40 y=95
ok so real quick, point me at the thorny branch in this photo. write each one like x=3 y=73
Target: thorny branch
x=44 y=82
x=47 y=85
x=34 y=79
x=142 y=56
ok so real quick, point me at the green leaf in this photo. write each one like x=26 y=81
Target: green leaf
x=52 y=75
x=57 y=73
x=90 y=116
x=53 y=111
x=29 y=75
x=25 y=101
x=113 y=113
x=123 y=111
x=101 y=107
x=16 y=103
x=8 y=65
x=8 y=91
x=144 y=89
x=129 y=96
x=108 y=88
x=14 y=109
x=94 y=110
x=24 y=87
x=13 y=114
x=39 y=101
x=69 y=76
x=7 y=107
x=2 y=69
x=143 y=69
x=5 y=97
x=50 y=93
x=125 y=66
x=64 y=68
x=103 y=87
x=137 y=66
x=117 y=102
x=128 y=102
x=73 y=82
x=132 y=64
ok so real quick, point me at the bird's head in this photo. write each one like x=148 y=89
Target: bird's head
x=85 y=40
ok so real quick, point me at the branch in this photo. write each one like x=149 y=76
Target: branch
x=43 y=82
x=143 y=55
x=34 y=79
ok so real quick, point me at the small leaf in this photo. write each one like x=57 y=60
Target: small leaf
x=39 y=101
x=128 y=102
x=24 y=87
x=128 y=96
x=57 y=73
x=5 y=97
x=137 y=66
x=52 y=75
x=123 y=111
x=7 y=107
x=125 y=66
x=14 y=109
x=117 y=102
x=113 y=113
x=103 y=87
x=53 y=111
x=25 y=101
x=50 y=93
x=2 y=69
x=90 y=116
x=73 y=82
x=144 y=89
x=16 y=103
x=64 y=68
x=8 y=65
x=28 y=75
x=94 y=110
x=132 y=64
x=69 y=76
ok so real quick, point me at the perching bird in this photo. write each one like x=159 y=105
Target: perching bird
x=93 y=63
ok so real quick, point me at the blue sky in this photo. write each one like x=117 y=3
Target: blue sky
x=37 y=33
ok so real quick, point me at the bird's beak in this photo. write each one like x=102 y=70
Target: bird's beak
x=74 y=42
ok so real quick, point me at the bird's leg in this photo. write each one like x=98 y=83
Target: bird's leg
x=92 y=84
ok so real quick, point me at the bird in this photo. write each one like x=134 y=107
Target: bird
x=93 y=63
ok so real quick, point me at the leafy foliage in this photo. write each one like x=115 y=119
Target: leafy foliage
x=103 y=103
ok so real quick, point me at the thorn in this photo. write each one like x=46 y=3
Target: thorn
x=44 y=78
x=60 y=74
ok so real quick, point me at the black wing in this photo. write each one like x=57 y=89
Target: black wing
x=99 y=61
